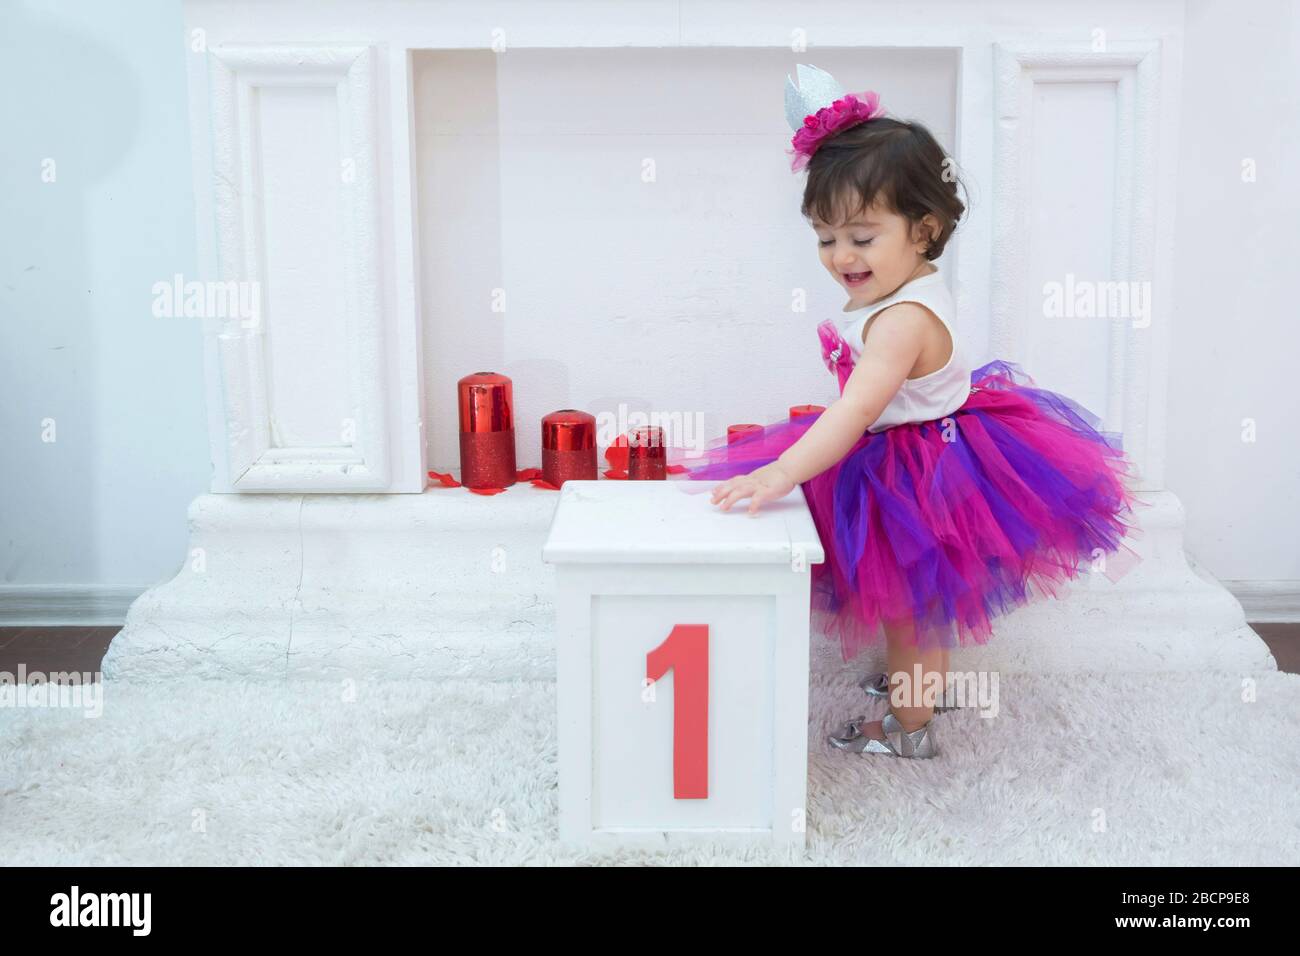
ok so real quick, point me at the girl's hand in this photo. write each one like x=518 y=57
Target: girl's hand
x=763 y=484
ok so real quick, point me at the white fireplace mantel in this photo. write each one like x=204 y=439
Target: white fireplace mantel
x=304 y=128
x=340 y=276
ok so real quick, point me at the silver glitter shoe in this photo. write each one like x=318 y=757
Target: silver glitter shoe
x=850 y=731
x=898 y=742
x=877 y=685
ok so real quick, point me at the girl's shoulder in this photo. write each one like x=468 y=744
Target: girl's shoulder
x=929 y=291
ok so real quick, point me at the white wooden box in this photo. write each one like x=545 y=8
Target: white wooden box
x=634 y=560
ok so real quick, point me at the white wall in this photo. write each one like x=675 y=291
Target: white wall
x=99 y=88
x=1236 y=345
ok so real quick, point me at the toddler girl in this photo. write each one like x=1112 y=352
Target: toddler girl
x=943 y=495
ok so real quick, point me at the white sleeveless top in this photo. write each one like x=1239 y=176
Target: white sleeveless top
x=931 y=396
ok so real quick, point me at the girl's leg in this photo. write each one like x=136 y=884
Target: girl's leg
x=944 y=665
x=902 y=657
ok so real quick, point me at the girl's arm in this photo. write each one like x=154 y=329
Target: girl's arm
x=890 y=351
x=896 y=338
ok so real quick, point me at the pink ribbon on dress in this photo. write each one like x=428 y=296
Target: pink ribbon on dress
x=835 y=352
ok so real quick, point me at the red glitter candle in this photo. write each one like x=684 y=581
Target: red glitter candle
x=568 y=446
x=487 y=430
x=798 y=411
x=646 y=455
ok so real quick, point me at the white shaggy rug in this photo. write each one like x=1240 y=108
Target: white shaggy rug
x=1076 y=769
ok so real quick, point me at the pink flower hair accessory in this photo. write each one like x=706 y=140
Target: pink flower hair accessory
x=819 y=108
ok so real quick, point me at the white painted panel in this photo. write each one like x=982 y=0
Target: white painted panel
x=309 y=392
x=742 y=654
x=1071 y=202
x=1076 y=174
x=312 y=393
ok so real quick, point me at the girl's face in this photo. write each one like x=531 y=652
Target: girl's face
x=874 y=253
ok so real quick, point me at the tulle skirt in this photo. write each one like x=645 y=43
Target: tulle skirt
x=937 y=528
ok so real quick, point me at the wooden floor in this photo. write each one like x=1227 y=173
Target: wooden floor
x=55 y=649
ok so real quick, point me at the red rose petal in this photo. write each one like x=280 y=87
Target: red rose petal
x=447 y=481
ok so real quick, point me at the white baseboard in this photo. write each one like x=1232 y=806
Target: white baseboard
x=61 y=605
x=1265 y=602
x=1268 y=602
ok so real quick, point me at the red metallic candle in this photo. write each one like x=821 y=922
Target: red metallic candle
x=487 y=430
x=736 y=432
x=646 y=455
x=798 y=411
x=568 y=446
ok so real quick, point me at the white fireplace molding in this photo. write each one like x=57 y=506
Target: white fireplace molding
x=1133 y=385
x=256 y=459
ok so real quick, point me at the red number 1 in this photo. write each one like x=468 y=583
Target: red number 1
x=686 y=652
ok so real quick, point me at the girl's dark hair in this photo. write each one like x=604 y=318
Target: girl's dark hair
x=898 y=163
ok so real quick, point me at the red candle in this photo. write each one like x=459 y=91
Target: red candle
x=568 y=446
x=646 y=455
x=736 y=432
x=487 y=430
x=798 y=411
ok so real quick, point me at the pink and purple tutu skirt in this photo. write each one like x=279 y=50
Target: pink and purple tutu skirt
x=946 y=525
